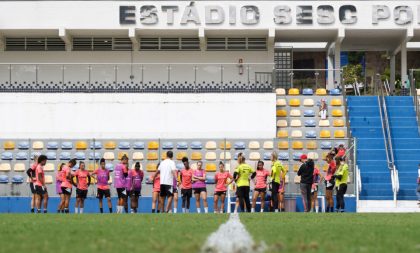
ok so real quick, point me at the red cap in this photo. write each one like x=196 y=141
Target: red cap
x=303 y=157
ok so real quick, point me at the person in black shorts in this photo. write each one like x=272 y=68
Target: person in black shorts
x=102 y=178
x=31 y=175
x=83 y=182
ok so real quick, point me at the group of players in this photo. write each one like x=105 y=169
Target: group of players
x=166 y=183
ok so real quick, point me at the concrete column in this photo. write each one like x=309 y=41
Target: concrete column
x=330 y=80
x=404 y=73
x=337 y=63
x=392 y=76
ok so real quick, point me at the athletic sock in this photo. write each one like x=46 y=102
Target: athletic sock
x=81 y=210
x=316 y=209
x=110 y=210
x=135 y=210
x=76 y=210
x=153 y=210
x=175 y=210
x=276 y=210
x=132 y=210
x=183 y=210
x=283 y=210
x=101 y=210
x=198 y=210
x=66 y=210
x=45 y=211
x=262 y=210
x=187 y=210
x=206 y=210
x=38 y=210
x=32 y=210
x=125 y=209
x=252 y=210
x=158 y=211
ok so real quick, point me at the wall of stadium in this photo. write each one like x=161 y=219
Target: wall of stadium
x=133 y=116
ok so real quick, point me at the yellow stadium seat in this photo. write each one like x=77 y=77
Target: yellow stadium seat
x=268 y=145
x=211 y=167
x=151 y=167
x=163 y=156
x=281 y=102
x=254 y=145
x=313 y=155
x=211 y=156
x=281 y=123
x=81 y=145
x=294 y=91
x=296 y=123
x=338 y=123
x=325 y=167
x=339 y=134
x=324 y=155
x=296 y=167
x=283 y=145
x=109 y=156
x=211 y=145
x=181 y=155
x=92 y=167
x=37 y=145
x=9 y=145
x=296 y=180
x=281 y=113
x=254 y=156
x=308 y=102
x=280 y=92
x=296 y=134
x=49 y=167
x=196 y=156
x=286 y=167
x=337 y=113
x=297 y=145
x=311 y=145
x=19 y=167
x=321 y=92
x=138 y=156
x=225 y=156
x=336 y=102
x=153 y=145
x=152 y=156
x=48 y=179
x=294 y=102
x=282 y=134
x=325 y=134
x=110 y=145
x=295 y=113
x=324 y=123
x=222 y=145
x=93 y=180
x=121 y=154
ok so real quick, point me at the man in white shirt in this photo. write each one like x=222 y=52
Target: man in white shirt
x=167 y=171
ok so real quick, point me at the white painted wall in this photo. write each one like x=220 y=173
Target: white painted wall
x=137 y=115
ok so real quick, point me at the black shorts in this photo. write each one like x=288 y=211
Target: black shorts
x=135 y=193
x=187 y=193
x=200 y=190
x=66 y=191
x=128 y=193
x=40 y=190
x=166 y=190
x=81 y=194
x=261 y=190
x=220 y=193
x=32 y=187
x=102 y=193
x=329 y=185
x=122 y=193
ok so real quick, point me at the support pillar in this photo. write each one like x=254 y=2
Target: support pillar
x=404 y=74
x=330 y=62
x=392 y=74
x=337 y=64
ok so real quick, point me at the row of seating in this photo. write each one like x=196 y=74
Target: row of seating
x=306 y=113
x=310 y=123
x=308 y=92
x=324 y=134
x=307 y=102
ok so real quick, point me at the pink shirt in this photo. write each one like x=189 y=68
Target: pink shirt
x=39 y=170
x=119 y=177
x=261 y=179
x=102 y=177
x=186 y=179
x=156 y=184
x=65 y=172
x=82 y=179
x=199 y=183
x=331 y=171
x=137 y=177
x=221 y=181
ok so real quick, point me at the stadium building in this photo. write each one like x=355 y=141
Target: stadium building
x=210 y=79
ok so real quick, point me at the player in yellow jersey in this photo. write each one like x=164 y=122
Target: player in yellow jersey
x=278 y=174
x=242 y=176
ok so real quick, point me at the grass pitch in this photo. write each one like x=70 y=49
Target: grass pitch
x=283 y=232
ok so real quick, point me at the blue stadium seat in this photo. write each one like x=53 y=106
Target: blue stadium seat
x=80 y=155
x=17 y=179
x=326 y=145
x=308 y=92
x=35 y=153
x=95 y=145
x=179 y=166
x=138 y=145
x=284 y=156
x=65 y=156
x=309 y=113
x=196 y=145
x=67 y=145
x=310 y=123
x=210 y=179
x=23 y=145
x=296 y=156
x=95 y=155
x=267 y=156
x=52 y=145
x=168 y=145
x=335 y=92
x=109 y=166
x=51 y=155
x=310 y=134
x=182 y=145
x=4 y=179
x=124 y=145
x=239 y=145
x=76 y=167
x=21 y=155
x=7 y=155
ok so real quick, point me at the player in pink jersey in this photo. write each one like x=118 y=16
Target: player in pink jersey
x=66 y=185
x=40 y=188
x=155 y=178
x=186 y=185
x=120 y=173
x=199 y=187
x=102 y=178
x=260 y=188
x=221 y=178
x=82 y=185
x=314 y=190
x=58 y=178
x=136 y=176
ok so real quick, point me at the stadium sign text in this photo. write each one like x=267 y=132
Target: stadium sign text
x=252 y=14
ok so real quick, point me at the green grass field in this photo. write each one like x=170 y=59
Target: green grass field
x=290 y=232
